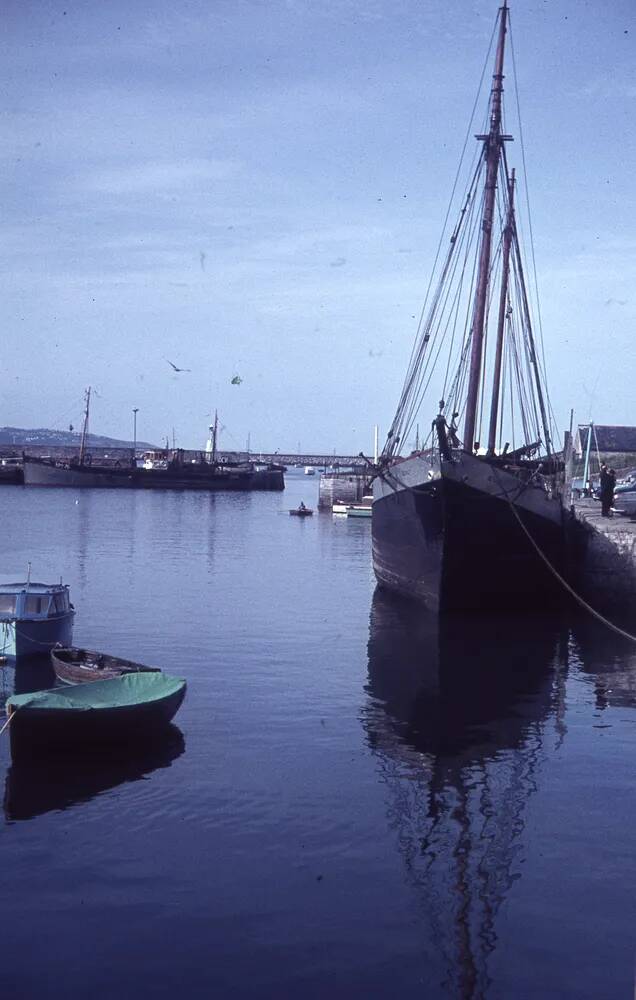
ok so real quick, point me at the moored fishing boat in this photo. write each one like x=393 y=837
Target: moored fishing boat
x=76 y=666
x=461 y=523
x=120 y=711
x=34 y=617
x=160 y=469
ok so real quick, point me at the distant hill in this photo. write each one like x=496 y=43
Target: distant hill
x=20 y=437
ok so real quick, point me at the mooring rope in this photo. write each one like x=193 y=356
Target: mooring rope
x=387 y=476
x=9 y=718
x=577 y=597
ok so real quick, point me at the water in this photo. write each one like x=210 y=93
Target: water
x=353 y=802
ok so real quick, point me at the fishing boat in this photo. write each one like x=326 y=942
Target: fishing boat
x=75 y=666
x=120 y=711
x=475 y=517
x=34 y=617
x=79 y=470
x=11 y=470
x=160 y=469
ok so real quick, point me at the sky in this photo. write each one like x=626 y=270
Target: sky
x=256 y=188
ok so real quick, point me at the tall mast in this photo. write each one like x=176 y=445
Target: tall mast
x=501 y=322
x=85 y=426
x=492 y=145
x=214 y=433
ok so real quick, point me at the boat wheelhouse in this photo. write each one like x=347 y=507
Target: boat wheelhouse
x=34 y=617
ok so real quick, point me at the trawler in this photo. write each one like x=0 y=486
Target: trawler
x=475 y=518
x=168 y=469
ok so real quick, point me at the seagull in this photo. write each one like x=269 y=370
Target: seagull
x=175 y=367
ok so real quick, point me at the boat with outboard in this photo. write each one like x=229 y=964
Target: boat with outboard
x=122 y=711
x=301 y=511
x=475 y=518
x=73 y=665
x=34 y=617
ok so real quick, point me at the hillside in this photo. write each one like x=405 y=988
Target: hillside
x=20 y=437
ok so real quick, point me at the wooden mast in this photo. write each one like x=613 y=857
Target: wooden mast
x=214 y=433
x=85 y=427
x=492 y=142
x=501 y=322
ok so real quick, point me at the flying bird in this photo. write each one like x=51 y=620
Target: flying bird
x=236 y=380
x=175 y=367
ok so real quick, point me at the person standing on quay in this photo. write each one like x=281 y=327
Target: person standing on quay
x=608 y=482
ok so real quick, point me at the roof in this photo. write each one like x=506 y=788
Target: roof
x=610 y=438
x=34 y=588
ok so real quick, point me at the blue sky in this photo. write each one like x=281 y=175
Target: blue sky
x=257 y=189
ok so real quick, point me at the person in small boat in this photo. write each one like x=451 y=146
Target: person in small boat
x=302 y=505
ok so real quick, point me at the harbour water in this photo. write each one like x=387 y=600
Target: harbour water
x=354 y=802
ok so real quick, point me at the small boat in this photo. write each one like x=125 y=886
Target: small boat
x=118 y=712
x=11 y=469
x=309 y=470
x=34 y=617
x=301 y=511
x=75 y=666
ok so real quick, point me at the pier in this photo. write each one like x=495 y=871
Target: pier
x=603 y=551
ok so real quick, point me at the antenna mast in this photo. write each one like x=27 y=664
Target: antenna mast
x=492 y=143
x=84 y=437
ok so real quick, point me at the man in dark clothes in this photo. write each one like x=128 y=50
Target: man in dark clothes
x=608 y=482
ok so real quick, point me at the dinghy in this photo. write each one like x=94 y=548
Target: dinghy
x=75 y=666
x=122 y=711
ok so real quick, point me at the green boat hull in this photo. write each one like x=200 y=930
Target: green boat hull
x=122 y=712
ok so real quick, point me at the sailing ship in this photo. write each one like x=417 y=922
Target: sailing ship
x=456 y=523
x=161 y=469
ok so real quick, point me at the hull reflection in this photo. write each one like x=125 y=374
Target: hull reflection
x=32 y=790
x=457 y=714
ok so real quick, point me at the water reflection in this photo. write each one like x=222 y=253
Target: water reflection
x=32 y=789
x=457 y=715
x=609 y=659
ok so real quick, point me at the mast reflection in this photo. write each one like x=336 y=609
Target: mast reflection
x=457 y=714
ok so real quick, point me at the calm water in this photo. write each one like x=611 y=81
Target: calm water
x=354 y=802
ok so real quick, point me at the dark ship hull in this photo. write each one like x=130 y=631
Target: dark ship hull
x=451 y=538
x=180 y=476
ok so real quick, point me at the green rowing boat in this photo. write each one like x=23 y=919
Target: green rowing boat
x=121 y=711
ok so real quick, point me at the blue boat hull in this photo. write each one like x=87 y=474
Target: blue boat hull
x=23 y=638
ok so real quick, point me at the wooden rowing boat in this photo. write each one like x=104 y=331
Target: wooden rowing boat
x=121 y=712
x=75 y=666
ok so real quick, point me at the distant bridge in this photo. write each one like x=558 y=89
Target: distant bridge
x=285 y=458
x=319 y=461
